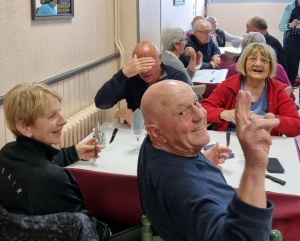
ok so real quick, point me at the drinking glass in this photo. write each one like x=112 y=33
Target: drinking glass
x=241 y=160
x=137 y=129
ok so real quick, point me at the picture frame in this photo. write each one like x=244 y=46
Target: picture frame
x=52 y=9
x=179 y=2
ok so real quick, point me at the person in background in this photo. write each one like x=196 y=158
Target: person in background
x=201 y=41
x=290 y=25
x=256 y=67
x=33 y=180
x=220 y=37
x=257 y=37
x=47 y=7
x=182 y=192
x=259 y=24
x=195 y=19
x=131 y=82
x=173 y=42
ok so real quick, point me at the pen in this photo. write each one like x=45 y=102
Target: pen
x=228 y=138
x=212 y=72
x=275 y=179
x=212 y=80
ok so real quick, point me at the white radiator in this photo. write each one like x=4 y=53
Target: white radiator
x=80 y=125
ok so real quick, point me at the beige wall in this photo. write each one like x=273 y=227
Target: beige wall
x=150 y=21
x=156 y=15
x=38 y=50
x=177 y=16
x=128 y=27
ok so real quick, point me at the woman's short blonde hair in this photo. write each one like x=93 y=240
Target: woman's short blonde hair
x=253 y=48
x=26 y=102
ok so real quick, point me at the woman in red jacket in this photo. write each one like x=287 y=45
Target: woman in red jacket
x=256 y=66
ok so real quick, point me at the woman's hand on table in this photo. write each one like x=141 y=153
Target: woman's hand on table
x=228 y=115
x=217 y=154
x=86 y=150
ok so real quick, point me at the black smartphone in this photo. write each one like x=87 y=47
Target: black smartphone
x=274 y=166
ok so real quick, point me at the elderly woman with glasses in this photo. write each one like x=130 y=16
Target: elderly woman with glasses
x=173 y=42
x=256 y=67
x=257 y=37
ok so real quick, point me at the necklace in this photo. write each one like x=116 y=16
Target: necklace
x=169 y=52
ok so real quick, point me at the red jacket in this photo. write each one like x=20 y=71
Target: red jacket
x=279 y=103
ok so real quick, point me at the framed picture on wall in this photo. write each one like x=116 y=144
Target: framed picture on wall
x=179 y=2
x=52 y=9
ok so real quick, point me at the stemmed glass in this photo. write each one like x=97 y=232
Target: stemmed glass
x=137 y=129
x=199 y=60
x=137 y=126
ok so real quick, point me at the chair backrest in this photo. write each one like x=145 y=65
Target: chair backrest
x=59 y=226
x=199 y=89
x=288 y=90
x=147 y=232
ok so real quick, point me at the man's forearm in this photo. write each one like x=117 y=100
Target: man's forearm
x=252 y=188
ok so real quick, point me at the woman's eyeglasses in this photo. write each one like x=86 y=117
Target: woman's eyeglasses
x=263 y=60
x=205 y=32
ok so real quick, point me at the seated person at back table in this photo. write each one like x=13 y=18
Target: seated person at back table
x=33 y=180
x=259 y=24
x=219 y=36
x=256 y=37
x=256 y=66
x=184 y=195
x=131 y=82
x=195 y=19
x=173 y=42
x=201 y=41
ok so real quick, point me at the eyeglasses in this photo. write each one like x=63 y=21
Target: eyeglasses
x=263 y=60
x=184 y=40
x=205 y=32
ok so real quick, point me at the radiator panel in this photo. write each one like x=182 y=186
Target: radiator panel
x=80 y=125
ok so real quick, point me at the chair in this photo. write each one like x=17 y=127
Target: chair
x=230 y=54
x=147 y=233
x=288 y=90
x=59 y=226
x=199 y=91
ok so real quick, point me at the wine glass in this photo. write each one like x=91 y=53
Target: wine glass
x=199 y=60
x=138 y=130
